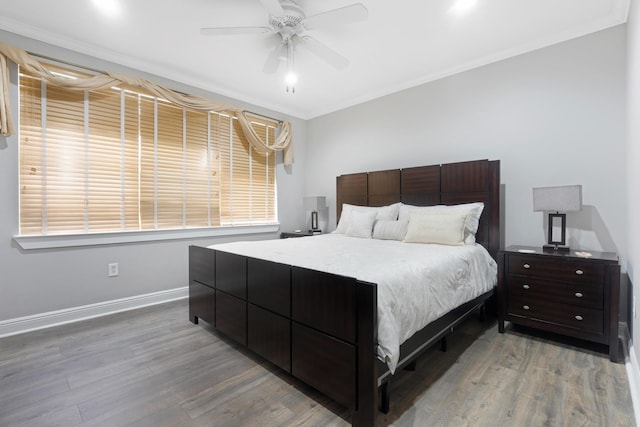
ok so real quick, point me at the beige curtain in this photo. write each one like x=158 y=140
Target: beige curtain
x=102 y=81
x=6 y=123
x=282 y=142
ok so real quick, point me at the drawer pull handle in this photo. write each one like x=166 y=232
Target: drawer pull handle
x=579 y=272
x=526 y=266
x=579 y=294
x=526 y=307
x=578 y=317
x=526 y=286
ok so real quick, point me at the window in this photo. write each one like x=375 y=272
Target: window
x=121 y=160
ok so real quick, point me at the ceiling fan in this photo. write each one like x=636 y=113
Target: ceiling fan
x=288 y=22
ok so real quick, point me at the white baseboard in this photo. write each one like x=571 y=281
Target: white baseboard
x=633 y=373
x=60 y=317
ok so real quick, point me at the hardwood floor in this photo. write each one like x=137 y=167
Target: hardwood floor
x=152 y=367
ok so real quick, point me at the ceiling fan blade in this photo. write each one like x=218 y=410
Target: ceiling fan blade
x=226 y=31
x=343 y=15
x=273 y=6
x=274 y=59
x=325 y=52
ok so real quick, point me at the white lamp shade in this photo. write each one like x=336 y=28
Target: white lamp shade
x=567 y=198
x=314 y=203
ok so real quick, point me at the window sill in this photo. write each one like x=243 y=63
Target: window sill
x=94 y=239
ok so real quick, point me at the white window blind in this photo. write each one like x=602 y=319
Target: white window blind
x=120 y=160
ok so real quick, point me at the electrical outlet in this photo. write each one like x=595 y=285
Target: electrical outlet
x=113 y=269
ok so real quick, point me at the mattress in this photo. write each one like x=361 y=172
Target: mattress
x=417 y=283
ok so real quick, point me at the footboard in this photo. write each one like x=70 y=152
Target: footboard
x=319 y=327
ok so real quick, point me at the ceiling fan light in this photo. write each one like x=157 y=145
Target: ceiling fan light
x=291 y=78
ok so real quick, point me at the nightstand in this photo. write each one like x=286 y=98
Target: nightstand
x=290 y=234
x=561 y=292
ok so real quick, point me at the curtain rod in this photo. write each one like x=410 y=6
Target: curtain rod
x=264 y=117
x=59 y=61
x=82 y=67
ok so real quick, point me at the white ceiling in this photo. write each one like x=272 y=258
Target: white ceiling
x=403 y=43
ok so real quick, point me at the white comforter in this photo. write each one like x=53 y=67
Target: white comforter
x=417 y=283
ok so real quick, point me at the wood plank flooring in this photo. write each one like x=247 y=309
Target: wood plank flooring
x=152 y=367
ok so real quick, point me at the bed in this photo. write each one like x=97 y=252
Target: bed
x=320 y=324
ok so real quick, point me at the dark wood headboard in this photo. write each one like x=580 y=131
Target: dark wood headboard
x=447 y=184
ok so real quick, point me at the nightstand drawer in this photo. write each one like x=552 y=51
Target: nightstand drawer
x=584 y=295
x=559 y=269
x=561 y=314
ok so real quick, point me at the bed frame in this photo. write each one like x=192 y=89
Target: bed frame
x=320 y=327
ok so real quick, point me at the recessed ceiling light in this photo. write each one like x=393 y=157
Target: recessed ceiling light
x=108 y=7
x=460 y=7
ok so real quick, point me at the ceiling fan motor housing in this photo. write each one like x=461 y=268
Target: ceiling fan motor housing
x=290 y=24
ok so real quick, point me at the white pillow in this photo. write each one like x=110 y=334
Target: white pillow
x=440 y=228
x=390 y=230
x=361 y=224
x=383 y=212
x=472 y=210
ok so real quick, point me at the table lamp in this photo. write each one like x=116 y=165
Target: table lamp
x=313 y=204
x=567 y=198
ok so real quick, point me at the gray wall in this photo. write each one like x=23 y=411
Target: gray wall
x=40 y=281
x=633 y=157
x=554 y=116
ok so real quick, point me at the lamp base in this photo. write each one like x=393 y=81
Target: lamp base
x=315 y=231
x=555 y=248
